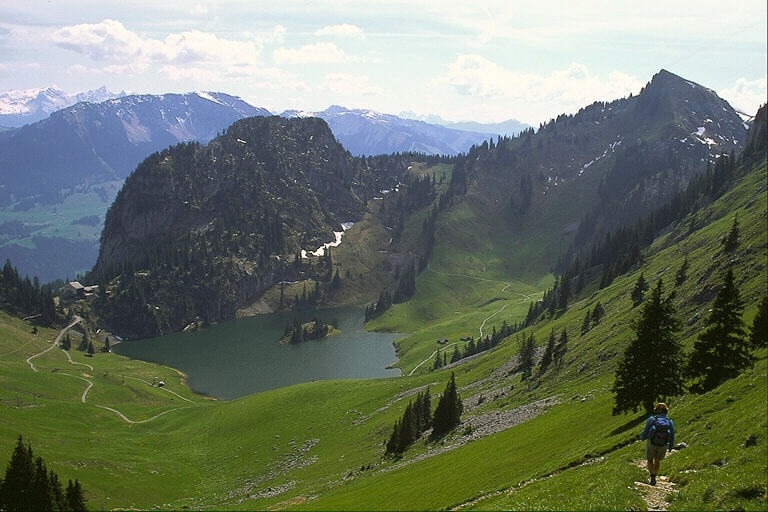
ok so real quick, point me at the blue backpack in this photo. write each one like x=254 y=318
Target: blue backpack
x=661 y=431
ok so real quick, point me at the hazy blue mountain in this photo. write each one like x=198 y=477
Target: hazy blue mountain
x=20 y=107
x=508 y=128
x=71 y=164
x=367 y=132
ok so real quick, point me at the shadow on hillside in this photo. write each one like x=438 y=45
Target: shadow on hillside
x=634 y=422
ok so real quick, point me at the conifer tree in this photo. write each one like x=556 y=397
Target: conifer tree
x=546 y=359
x=597 y=313
x=721 y=350
x=585 y=325
x=561 y=348
x=107 y=347
x=651 y=368
x=66 y=344
x=75 y=498
x=732 y=240
x=527 y=351
x=758 y=337
x=91 y=349
x=456 y=354
x=682 y=272
x=638 y=293
x=438 y=361
x=448 y=411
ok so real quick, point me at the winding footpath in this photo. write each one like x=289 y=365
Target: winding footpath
x=89 y=383
x=54 y=344
x=523 y=298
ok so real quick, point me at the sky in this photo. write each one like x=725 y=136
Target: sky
x=483 y=61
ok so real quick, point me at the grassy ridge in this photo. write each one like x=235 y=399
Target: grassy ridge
x=319 y=445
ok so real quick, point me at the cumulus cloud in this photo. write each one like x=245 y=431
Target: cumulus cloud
x=188 y=55
x=318 y=53
x=535 y=95
x=746 y=95
x=350 y=85
x=343 y=30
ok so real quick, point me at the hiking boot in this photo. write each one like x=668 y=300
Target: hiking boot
x=653 y=479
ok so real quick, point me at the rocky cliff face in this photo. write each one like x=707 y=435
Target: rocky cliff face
x=201 y=230
x=89 y=143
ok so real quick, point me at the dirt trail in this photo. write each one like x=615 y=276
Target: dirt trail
x=655 y=496
x=54 y=344
x=523 y=298
x=84 y=396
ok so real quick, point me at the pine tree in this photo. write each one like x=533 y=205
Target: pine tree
x=456 y=354
x=721 y=350
x=682 y=272
x=527 y=351
x=75 y=498
x=438 y=363
x=107 y=347
x=448 y=410
x=546 y=359
x=638 y=293
x=732 y=240
x=66 y=344
x=758 y=337
x=16 y=489
x=597 y=313
x=586 y=324
x=91 y=349
x=561 y=348
x=652 y=365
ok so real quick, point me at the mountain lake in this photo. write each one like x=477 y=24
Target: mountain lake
x=244 y=356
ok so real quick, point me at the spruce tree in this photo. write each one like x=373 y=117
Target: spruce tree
x=597 y=313
x=448 y=411
x=561 y=348
x=585 y=325
x=732 y=240
x=758 y=337
x=107 y=347
x=638 y=293
x=721 y=350
x=16 y=490
x=546 y=359
x=682 y=272
x=527 y=351
x=75 y=498
x=66 y=344
x=91 y=349
x=651 y=368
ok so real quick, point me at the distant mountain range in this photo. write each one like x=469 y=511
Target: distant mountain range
x=90 y=143
x=68 y=167
x=20 y=107
x=508 y=128
x=367 y=132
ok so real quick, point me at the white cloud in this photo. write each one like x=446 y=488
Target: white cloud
x=746 y=95
x=193 y=55
x=350 y=85
x=343 y=30
x=534 y=97
x=318 y=53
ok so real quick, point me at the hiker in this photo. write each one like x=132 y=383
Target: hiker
x=660 y=433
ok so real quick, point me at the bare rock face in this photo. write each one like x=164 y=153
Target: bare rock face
x=199 y=231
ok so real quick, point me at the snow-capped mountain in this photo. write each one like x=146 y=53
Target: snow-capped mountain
x=89 y=143
x=20 y=107
x=509 y=128
x=367 y=132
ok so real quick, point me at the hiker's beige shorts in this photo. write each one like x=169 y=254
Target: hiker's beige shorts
x=654 y=452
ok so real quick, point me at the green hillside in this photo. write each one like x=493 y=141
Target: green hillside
x=550 y=442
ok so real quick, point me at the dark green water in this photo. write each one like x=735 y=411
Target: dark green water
x=241 y=357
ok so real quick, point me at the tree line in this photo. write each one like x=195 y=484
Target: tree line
x=418 y=418
x=29 y=485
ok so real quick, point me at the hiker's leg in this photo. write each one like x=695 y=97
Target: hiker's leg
x=656 y=463
x=650 y=466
